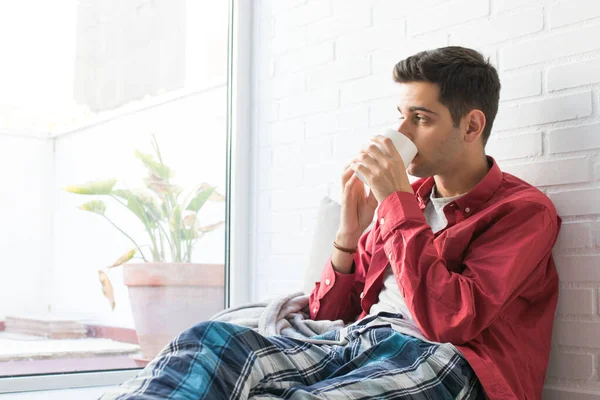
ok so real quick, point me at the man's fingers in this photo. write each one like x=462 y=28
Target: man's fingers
x=350 y=181
x=347 y=174
x=374 y=150
x=387 y=144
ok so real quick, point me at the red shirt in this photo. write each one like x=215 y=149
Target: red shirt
x=486 y=283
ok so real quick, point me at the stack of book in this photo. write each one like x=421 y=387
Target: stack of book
x=46 y=325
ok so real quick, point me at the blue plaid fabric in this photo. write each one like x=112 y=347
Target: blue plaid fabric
x=218 y=360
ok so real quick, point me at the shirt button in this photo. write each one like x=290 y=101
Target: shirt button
x=315 y=310
x=327 y=282
x=382 y=220
x=467 y=210
x=362 y=294
x=390 y=256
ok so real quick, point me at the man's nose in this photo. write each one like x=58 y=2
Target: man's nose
x=404 y=129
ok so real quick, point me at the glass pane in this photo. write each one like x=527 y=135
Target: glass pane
x=113 y=122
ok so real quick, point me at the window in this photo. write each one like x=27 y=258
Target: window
x=131 y=101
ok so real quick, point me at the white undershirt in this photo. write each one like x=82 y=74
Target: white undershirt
x=390 y=299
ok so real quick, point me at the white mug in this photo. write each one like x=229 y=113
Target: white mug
x=405 y=147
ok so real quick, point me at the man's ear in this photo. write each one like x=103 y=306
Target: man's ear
x=475 y=123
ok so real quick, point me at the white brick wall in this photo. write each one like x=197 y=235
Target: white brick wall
x=550 y=46
x=493 y=30
x=577 y=138
x=574 y=235
x=573 y=11
x=577 y=302
x=324 y=86
x=446 y=15
x=538 y=112
x=574 y=74
x=555 y=172
x=519 y=86
x=513 y=147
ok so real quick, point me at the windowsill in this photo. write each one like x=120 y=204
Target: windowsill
x=42 y=347
x=38 y=365
x=49 y=382
x=28 y=355
x=58 y=394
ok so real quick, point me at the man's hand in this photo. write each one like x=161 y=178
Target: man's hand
x=384 y=171
x=357 y=213
x=358 y=209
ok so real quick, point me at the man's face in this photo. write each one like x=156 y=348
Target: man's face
x=428 y=123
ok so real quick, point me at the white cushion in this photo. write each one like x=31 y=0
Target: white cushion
x=326 y=226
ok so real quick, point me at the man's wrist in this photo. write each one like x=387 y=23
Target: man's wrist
x=342 y=262
x=346 y=240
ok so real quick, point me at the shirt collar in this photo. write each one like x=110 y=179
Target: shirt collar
x=481 y=193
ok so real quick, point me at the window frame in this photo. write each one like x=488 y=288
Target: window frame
x=237 y=206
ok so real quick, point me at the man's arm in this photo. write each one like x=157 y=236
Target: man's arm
x=337 y=295
x=456 y=307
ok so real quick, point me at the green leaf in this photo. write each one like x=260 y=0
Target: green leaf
x=98 y=187
x=175 y=226
x=95 y=206
x=175 y=220
x=163 y=208
x=146 y=198
x=201 y=196
x=188 y=234
x=125 y=194
x=124 y=258
x=136 y=202
x=154 y=209
x=154 y=166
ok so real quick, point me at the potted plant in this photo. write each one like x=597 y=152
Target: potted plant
x=168 y=293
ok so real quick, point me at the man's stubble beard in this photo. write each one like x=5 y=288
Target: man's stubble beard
x=420 y=171
x=441 y=165
x=445 y=159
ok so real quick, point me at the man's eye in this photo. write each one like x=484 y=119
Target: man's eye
x=420 y=118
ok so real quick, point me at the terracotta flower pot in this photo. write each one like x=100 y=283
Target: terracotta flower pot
x=168 y=298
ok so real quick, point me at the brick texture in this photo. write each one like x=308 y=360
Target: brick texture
x=574 y=366
x=577 y=302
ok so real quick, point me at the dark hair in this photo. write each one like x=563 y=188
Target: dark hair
x=466 y=80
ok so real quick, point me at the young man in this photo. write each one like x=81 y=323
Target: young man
x=464 y=254
x=450 y=295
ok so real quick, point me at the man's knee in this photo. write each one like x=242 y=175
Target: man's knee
x=207 y=328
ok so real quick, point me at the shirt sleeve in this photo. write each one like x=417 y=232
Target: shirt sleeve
x=337 y=295
x=456 y=307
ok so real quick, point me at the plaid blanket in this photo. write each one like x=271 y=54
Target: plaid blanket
x=219 y=360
